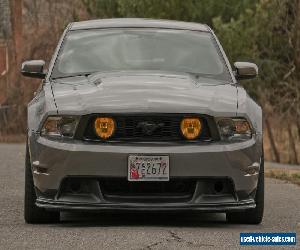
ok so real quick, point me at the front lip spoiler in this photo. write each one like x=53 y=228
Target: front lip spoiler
x=205 y=207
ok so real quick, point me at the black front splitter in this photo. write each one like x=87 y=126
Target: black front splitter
x=205 y=207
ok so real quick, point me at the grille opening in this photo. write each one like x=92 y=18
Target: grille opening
x=75 y=186
x=74 y=189
x=119 y=189
x=218 y=187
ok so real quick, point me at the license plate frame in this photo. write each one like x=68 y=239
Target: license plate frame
x=148 y=168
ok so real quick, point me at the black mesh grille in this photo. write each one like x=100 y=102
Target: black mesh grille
x=119 y=189
x=146 y=128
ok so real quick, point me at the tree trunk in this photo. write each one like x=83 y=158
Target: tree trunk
x=297 y=38
x=16 y=26
x=298 y=129
x=272 y=141
x=292 y=145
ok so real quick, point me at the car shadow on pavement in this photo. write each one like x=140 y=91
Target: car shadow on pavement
x=124 y=219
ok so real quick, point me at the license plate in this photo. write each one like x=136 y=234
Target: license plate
x=148 y=168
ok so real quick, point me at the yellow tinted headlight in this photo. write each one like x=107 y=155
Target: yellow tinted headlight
x=104 y=127
x=191 y=128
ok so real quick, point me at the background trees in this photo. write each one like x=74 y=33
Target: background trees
x=266 y=32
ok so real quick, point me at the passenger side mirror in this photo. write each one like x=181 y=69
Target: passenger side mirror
x=245 y=70
x=34 y=69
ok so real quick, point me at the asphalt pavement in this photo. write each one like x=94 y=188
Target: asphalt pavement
x=132 y=230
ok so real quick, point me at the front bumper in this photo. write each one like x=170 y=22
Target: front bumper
x=53 y=161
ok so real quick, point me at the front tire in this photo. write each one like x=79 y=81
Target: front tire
x=255 y=215
x=32 y=213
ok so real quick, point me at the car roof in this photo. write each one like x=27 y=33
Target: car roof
x=137 y=23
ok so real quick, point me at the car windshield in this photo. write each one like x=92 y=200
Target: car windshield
x=105 y=50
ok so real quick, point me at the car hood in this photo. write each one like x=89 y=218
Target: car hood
x=144 y=92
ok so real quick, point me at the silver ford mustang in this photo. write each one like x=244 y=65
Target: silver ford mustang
x=148 y=115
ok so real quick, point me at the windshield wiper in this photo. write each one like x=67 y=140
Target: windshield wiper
x=73 y=75
x=207 y=76
x=198 y=75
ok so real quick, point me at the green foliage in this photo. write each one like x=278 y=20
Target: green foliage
x=103 y=8
x=259 y=35
x=188 y=10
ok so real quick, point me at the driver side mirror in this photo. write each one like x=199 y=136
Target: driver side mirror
x=245 y=70
x=34 y=69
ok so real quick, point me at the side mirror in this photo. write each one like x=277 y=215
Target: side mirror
x=34 y=69
x=245 y=70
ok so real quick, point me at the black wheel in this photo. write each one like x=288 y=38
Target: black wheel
x=32 y=213
x=255 y=215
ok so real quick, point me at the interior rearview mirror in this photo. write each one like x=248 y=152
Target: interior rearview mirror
x=245 y=70
x=34 y=69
